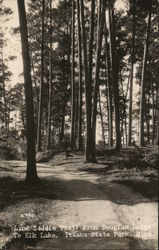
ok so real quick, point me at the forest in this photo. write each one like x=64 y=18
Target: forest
x=79 y=127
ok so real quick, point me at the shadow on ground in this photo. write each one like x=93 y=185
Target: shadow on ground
x=148 y=189
x=13 y=191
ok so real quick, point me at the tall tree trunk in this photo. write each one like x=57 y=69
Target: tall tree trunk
x=115 y=69
x=148 y=118
x=73 y=79
x=157 y=107
x=35 y=84
x=9 y=111
x=65 y=79
x=87 y=86
x=153 y=109
x=108 y=115
x=125 y=120
x=142 y=95
x=36 y=90
x=31 y=176
x=132 y=74
x=79 y=135
x=91 y=41
x=63 y=121
x=101 y=116
x=50 y=84
x=123 y=117
x=4 y=96
x=110 y=110
x=76 y=113
x=122 y=129
x=153 y=103
x=100 y=25
x=41 y=82
x=125 y=124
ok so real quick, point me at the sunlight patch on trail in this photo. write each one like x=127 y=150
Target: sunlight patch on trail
x=87 y=203
x=142 y=215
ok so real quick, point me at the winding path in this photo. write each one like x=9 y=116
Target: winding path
x=96 y=200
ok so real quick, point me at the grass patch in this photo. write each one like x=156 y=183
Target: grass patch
x=149 y=189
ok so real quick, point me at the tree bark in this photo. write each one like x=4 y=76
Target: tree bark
x=123 y=117
x=101 y=116
x=157 y=107
x=63 y=121
x=34 y=81
x=87 y=86
x=131 y=74
x=41 y=82
x=73 y=79
x=100 y=25
x=148 y=118
x=115 y=69
x=91 y=41
x=79 y=135
x=110 y=110
x=31 y=175
x=153 y=109
x=142 y=95
x=50 y=84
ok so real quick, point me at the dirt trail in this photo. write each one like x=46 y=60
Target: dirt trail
x=87 y=200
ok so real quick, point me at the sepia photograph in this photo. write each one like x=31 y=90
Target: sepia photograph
x=79 y=124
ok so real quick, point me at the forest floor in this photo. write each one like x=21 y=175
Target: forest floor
x=109 y=205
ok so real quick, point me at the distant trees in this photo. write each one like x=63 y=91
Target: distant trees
x=92 y=75
x=5 y=74
x=3 y=78
x=82 y=61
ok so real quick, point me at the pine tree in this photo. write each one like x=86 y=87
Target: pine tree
x=50 y=84
x=132 y=73
x=115 y=69
x=73 y=78
x=87 y=86
x=100 y=26
x=142 y=97
x=79 y=143
x=31 y=176
x=41 y=81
